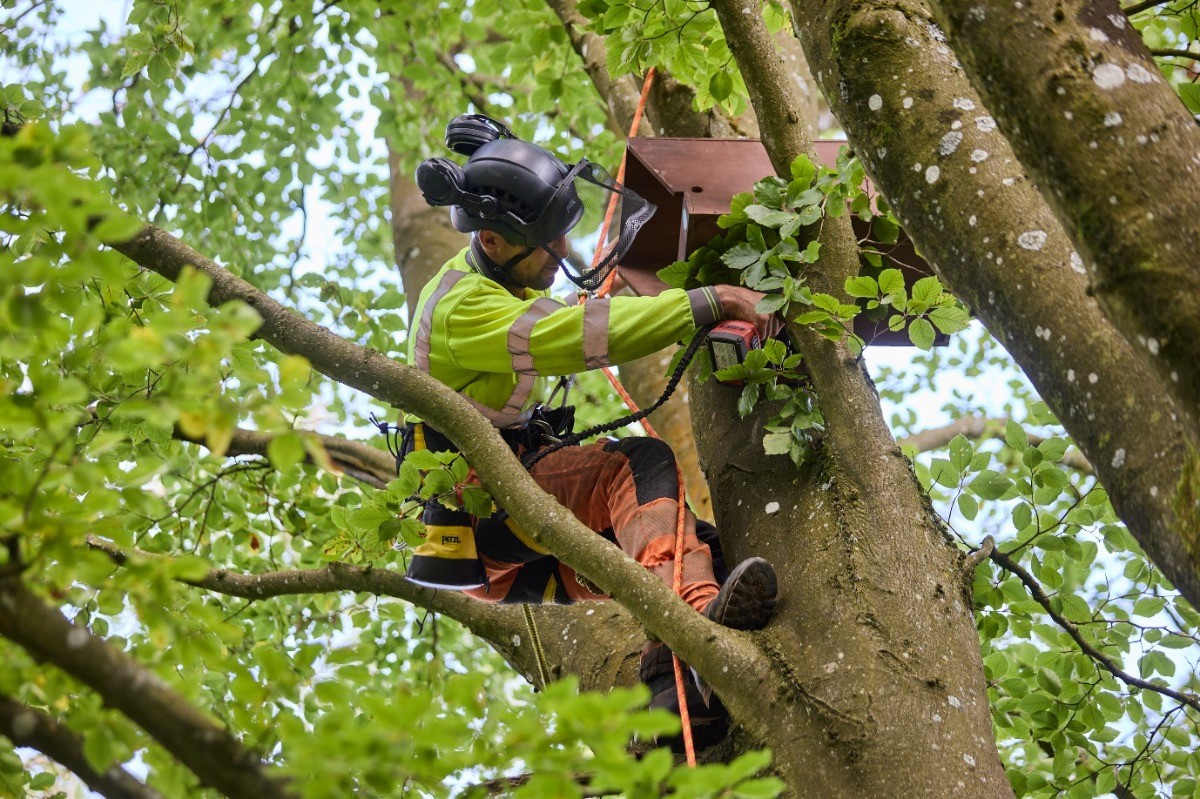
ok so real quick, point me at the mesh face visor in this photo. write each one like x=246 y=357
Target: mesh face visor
x=587 y=197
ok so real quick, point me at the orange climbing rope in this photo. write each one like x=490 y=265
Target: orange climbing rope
x=681 y=518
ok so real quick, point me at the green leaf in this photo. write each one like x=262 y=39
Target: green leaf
x=423 y=459
x=720 y=85
x=748 y=399
x=741 y=256
x=960 y=452
x=771 y=303
x=159 y=70
x=769 y=217
x=891 y=281
x=476 y=501
x=969 y=506
x=765 y=788
x=884 y=230
x=803 y=171
x=676 y=275
x=811 y=317
x=412 y=531
x=926 y=290
x=285 y=450
x=42 y=781
x=1015 y=435
x=944 y=473
x=1053 y=449
x=921 y=333
x=777 y=443
x=1049 y=681
x=949 y=318
x=990 y=485
x=862 y=286
x=1190 y=94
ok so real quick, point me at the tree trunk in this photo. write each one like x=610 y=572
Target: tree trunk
x=1055 y=80
x=422 y=235
x=1033 y=301
x=874 y=637
x=874 y=640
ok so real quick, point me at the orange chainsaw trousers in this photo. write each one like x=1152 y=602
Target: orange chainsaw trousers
x=624 y=489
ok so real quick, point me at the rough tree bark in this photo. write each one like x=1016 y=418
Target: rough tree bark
x=957 y=188
x=1075 y=90
x=875 y=636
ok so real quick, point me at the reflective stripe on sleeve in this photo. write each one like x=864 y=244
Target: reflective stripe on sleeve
x=425 y=329
x=522 y=359
x=522 y=330
x=706 y=306
x=595 y=333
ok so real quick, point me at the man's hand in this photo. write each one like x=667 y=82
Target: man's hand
x=738 y=303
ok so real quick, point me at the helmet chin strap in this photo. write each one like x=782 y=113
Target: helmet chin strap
x=497 y=272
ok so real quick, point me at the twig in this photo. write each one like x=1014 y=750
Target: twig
x=1176 y=54
x=1039 y=596
x=970 y=562
x=25 y=726
x=1142 y=6
x=12 y=23
x=502 y=784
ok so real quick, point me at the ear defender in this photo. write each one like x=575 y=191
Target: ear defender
x=466 y=133
x=441 y=181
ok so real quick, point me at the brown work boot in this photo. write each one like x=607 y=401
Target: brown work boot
x=710 y=721
x=747 y=599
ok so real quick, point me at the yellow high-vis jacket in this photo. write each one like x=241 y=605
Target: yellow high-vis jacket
x=498 y=351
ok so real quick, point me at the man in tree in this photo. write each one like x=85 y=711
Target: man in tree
x=486 y=328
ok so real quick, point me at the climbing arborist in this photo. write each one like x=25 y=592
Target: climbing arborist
x=486 y=327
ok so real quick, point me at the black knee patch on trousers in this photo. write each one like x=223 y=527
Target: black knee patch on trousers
x=653 y=465
x=532 y=583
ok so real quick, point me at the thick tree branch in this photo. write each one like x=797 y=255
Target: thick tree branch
x=969 y=188
x=25 y=726
x=620 y=94
x=772 y=90
x=979 y=427
x=1087 y=110
x=502 y=626
x=971 y=561
x=882 y=526
x=210 y=752
x=1039 y=596
x=357 y=459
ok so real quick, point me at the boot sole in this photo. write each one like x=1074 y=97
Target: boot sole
x=747 y=600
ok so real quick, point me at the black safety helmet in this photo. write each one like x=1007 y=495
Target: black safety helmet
x=528 y=195
x=524 y=181
x=507 y=185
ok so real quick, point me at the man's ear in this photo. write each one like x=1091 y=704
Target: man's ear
x=492 y=242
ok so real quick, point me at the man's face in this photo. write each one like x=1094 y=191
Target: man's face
x=536 y=270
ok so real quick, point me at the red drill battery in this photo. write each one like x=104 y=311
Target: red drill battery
x=729 y=343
